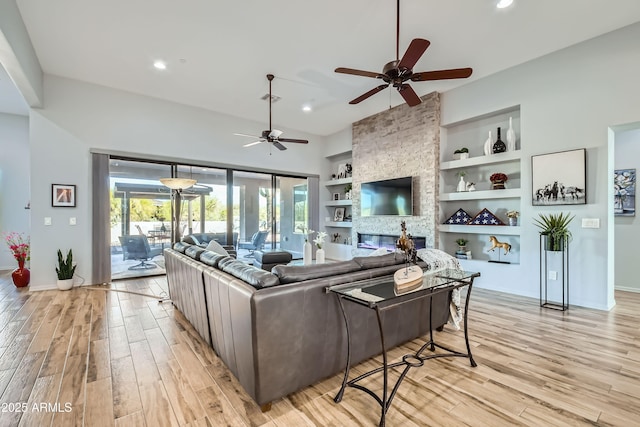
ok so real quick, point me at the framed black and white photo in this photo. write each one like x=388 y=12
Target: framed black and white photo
x=559 y=178
x=336 y=196
x=624 y=192
x=63 y=196
x=338 y=215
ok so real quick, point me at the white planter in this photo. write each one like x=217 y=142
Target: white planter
x=320 y=256
x=65 y=284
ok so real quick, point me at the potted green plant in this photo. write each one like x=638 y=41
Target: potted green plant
x=555 y=228
x=462 y=246
x=65 y=271
x=462 y=153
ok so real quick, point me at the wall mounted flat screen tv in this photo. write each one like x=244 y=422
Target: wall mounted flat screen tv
x=388 y=197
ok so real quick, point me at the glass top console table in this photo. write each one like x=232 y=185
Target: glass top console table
x=381 y=294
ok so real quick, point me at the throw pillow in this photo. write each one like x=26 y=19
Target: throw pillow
x=379 y=251
x=216 y=247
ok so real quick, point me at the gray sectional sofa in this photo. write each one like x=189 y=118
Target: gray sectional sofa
x=279 y=331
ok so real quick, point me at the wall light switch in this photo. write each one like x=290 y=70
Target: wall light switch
x=47 y=220
x=553 y=275
x=72 y=220
x=590 y=222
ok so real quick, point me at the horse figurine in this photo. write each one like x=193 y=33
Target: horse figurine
x=496 y=244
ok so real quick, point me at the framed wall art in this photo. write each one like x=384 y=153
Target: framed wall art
x=63 y=196
x=338 y=214
x=559 y=178
x=624 y=192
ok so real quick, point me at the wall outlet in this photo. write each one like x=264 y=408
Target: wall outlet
x=47 y=220
x=72 y=220
x=553 y=275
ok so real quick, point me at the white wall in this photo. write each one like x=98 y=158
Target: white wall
x=14 y=181
x=627 y=228
x=568 y=100
x=80 y=116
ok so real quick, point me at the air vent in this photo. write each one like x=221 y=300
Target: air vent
x=274 y=98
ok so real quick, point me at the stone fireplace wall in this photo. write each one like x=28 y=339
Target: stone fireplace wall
x=402 y=141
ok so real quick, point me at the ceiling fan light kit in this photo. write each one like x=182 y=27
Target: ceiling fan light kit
x=399 y=71
x=272 y=136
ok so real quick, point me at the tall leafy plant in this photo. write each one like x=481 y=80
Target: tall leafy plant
x=556 y=229
x=65 y=268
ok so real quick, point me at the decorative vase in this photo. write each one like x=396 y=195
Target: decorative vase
x=513 y=221
x=497 y=185
x=306 y=253
x=464 y=156
x=498 y=146
x=511 y=136
x=21 y=275
x=65 y=284
x=488 y=145
x=320 y=256
x=462 y=186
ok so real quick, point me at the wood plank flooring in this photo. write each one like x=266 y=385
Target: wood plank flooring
x=94 y=358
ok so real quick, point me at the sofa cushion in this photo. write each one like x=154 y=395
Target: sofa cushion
x=367 y=262
x=216 y=247
x=254 y=276
x=181 y=246
x=299 y=273
x=194 y=252
x=211 y=258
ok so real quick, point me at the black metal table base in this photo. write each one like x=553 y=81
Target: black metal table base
x=409 y=361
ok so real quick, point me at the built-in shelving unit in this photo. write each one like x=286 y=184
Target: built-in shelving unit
x=472 y=134
x=333 y=197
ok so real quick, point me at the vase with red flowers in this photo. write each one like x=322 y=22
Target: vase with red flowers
x=498 y=180
x=19 y=247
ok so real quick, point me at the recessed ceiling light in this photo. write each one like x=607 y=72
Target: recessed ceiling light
x=306 y=108
x=504 y=3
x=160 y=65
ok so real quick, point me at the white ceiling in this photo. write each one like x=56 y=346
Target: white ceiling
x=218 y=52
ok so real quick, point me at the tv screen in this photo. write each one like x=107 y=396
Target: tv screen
x=388 y=197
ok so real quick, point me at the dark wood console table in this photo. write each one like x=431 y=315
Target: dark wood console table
x=379 y=294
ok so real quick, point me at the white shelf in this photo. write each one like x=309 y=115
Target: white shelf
x=500 y=230
x=339 y=203
x=341 y=181
x=339 y=224
x=508 y=193
x=492 y=159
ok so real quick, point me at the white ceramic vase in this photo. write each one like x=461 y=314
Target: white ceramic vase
x=511 y=136
x=306 y=254
x=462 y=186
x=488 y=145
x=320 y=256
x=65 y=284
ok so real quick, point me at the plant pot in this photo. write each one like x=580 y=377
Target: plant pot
x=497 y=185
x=513 y=221
x=320 y=256
x=553 y=244
x=65 y=284
x=306 y=253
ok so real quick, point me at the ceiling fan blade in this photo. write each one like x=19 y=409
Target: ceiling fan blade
x=413 y=53
x=409 y=95
x=244 y=134
x=253 y=143
x=279 y=146
x=456 y=73
x=368 y=94
x=359 y=73
x=297 y=141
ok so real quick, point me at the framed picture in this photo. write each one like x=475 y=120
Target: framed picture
x=342 y=170
x=63 y=196
x=559 y=178
x=336 y=196
x=338 y=215
x=624 y=192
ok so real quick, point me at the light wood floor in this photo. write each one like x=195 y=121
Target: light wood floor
x=109 y=358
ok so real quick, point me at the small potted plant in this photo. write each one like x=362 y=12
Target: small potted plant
x=462 y=153
x=555 y=228
x=513 y=217
x=65 y=271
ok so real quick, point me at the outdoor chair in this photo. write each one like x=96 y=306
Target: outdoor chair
x=256 y=242
x=137 y=247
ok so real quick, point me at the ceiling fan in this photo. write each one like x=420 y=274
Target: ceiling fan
x=397 y=72
x=271 y=135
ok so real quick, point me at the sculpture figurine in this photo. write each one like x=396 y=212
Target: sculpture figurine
x=409 y=277
x=496 y=244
